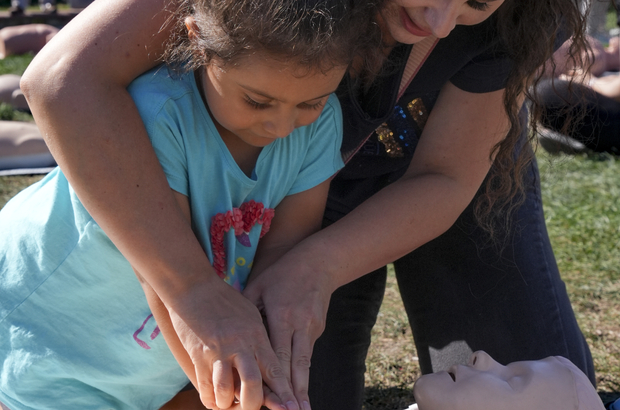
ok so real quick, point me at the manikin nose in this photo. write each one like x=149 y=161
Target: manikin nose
x=442 y=18
x=482 y=361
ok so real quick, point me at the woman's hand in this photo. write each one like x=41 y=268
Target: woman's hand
x=224 y=336
x=294 y=299
x=219 y=340
x=291 y=295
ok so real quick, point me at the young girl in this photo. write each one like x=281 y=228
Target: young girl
x=248 y=135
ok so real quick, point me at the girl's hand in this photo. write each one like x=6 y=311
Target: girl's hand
x=294 y=299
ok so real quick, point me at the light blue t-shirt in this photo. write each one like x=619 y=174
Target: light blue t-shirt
x=177 y=122
x=76 y=331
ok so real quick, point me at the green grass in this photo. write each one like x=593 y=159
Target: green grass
x=10 y=186
x=582 y=207
x=611 y=20
x=15 y=64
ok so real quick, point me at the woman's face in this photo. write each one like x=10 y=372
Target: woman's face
x=484 y=384
x=409 y=21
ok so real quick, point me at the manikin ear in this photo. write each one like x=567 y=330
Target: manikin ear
x=192 y=27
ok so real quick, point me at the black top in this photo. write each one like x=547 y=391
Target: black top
x=471 y=58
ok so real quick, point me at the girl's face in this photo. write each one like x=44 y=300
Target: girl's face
x=260 y=100
x=409 y=21
x=484 y=384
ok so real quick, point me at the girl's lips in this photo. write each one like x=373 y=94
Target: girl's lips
x=411 y=27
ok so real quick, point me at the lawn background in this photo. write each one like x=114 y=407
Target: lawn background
x=581 y=196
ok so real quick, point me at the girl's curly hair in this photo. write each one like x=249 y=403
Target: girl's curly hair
x=316 y=34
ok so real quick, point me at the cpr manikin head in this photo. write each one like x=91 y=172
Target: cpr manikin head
x=553 y=383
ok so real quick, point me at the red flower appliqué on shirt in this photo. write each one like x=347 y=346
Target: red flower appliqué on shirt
x=242 y=220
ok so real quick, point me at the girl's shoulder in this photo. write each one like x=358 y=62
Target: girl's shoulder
x=332 y=109
x=160 y=84
x=328 y=125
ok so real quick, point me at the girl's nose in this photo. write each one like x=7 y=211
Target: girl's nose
x=281 y=126
x=441 y=18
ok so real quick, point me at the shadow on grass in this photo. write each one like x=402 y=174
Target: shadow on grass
x=387 y=398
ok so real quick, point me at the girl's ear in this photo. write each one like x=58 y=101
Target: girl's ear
x=192 y=27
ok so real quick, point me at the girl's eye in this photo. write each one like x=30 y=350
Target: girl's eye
x=315 y=106
x=255 y=104
x=476 y=5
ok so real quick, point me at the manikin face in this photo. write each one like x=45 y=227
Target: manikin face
x=260 y=100
x=484 y=384
x=409 y=21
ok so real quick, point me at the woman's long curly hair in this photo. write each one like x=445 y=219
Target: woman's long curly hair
x=530 y=31
x=314 y=34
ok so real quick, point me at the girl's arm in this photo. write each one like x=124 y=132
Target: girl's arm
x=296 y=217
x=449 y=165
x=76 y=89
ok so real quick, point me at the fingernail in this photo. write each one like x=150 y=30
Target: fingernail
x=291 y=405
x=306 y=405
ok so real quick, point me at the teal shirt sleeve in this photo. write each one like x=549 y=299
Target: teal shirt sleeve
x=155 y=99
x=323 y=158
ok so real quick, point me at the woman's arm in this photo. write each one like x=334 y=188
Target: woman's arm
x=76 y=89
x=296 y=217
x=449 y=165
x=234 y=326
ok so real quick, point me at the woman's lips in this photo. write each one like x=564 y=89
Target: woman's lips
x=411 y=27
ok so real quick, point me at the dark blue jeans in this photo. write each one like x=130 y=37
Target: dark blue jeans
x=461 y=295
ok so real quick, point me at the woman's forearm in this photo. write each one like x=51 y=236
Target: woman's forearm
x=76 y=88
x=395 y=221
x=450 y=162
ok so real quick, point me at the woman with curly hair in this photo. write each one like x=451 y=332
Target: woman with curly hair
x=440 y=179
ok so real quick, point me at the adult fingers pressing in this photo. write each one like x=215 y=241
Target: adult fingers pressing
x=224 y=336
x=295 y=306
